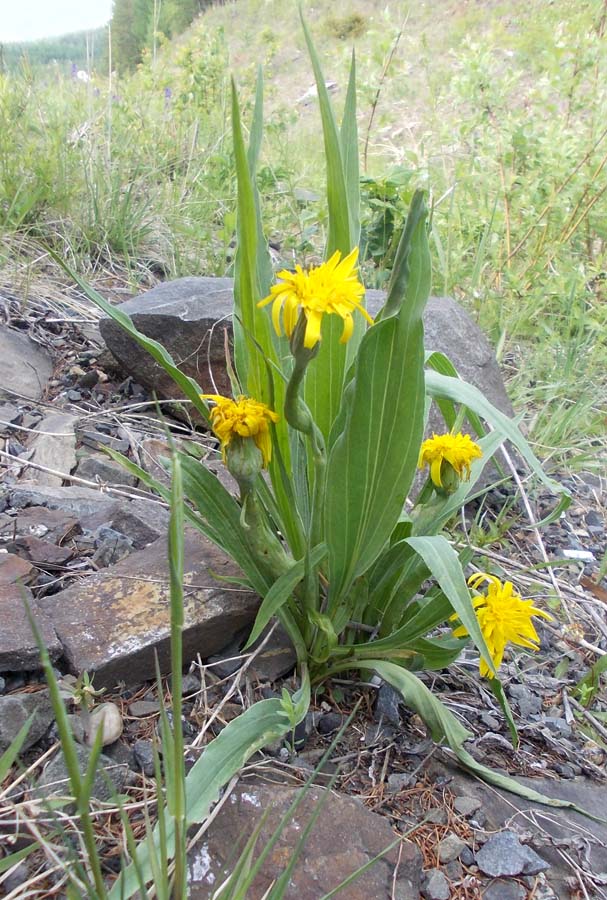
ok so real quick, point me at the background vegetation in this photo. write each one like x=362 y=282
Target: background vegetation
x=498 y=109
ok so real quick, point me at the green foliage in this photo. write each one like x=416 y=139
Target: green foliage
x=86 y=50
x=346 y=27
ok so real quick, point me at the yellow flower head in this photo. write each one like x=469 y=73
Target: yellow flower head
x=457 y=450
x=332 y=287
x=504 y=618
x=245 y=418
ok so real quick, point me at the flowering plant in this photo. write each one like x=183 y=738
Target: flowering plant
x=324 y=435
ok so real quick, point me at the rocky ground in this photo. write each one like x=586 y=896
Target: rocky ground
x=89 y=544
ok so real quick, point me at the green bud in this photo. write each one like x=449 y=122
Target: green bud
x=244 y=461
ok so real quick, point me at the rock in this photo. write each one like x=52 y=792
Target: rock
x=466 y=806
x=107 y=717
x=37 y=521
x=398 y=781
x=103 y=470
x=190 y=684
x=18 y=648
x=25 y=367
x=15 y=710
x=9 y=415
x=330 y=855
x=528 y=703
x=142 y=708
x=329 y=723
x=187 y=316
x=43 y=554
x=112 y=624
x=505 y=890
x=436 y=886
x=14 y=569
x=387 y=705
x=112 y=546
x=97 y=440
x=277 y=658
x=80 y=502
x=143 y=757
x=55 y=779
x=503 y=854
x=142 y=527
x=450 y=848
x=54 y=446
x=16 y=877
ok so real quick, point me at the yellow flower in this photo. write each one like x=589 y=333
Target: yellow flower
x=457 y=450
x=504 y=618
x=331 y=288
x=245 y=418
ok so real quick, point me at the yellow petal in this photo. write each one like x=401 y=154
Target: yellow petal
x=312 y=335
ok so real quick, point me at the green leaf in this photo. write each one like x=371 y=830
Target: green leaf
x=372 y=463
x=444 y=564
x=498 y=692
x=444 y=727
x=188 y=386
x=7 y=862
x=280 y=592
x=12 y=751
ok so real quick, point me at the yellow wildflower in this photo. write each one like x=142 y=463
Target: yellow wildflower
x=331 y=288
x=245 y=418
x=504 y=618
x=456 y=450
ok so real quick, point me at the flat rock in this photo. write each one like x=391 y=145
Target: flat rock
x=25 y=367
x=14 y=569
x=54 y=447
x=42 y=553
x=113 y=623
x=345 y=837
x=188 y=316
x=15 y=710
x=76 y=501
x=18 y=648
x=38 y=521
x=101 y=469
x=503 y=854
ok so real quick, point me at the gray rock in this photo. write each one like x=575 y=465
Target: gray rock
x=80 y=502
x=528 y=703
x=114 y=623
x=140 y=521
x=190 y=684
x=15 y=710
x=54 y=447
x=142 y=708
x=9 y=415
x=100 y=468
x=188 y=317
x=387 y=705
x=503 y=854
x=466 y=806
x=16 y=877
x=329 y=856
x=18 y=648
x=436 y=886
x=55 y=780
x=398 y=781
x=556 y=725
x=450 y=847
x=112 y=546
x=505 y=890
x=143 y=757
x=25 y=367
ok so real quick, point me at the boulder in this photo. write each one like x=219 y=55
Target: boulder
x=344 y=837
x=25 y=367
x=112 y=624
x=18 y=648
x=188 y=317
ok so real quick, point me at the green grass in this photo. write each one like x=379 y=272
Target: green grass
x=499 y=109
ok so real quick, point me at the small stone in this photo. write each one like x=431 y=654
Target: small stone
x=387 y=705
x=450 y=848
x=15 y=878
x=100 y=468
x=503 y=854
x=143 y=708
x=504 y=890
x=466 y=857
x=143 y=757
x=190 y=684
x=55 y=779
x=436 y=816
x=112 y=546
x=467 y=806
x=529 y=704
x=436 y=886
x=74 y=396
x=107 y=717
x=398 y=781
x=9 y=415
x=329 y=723
x=557 y=725
x=15 y=710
